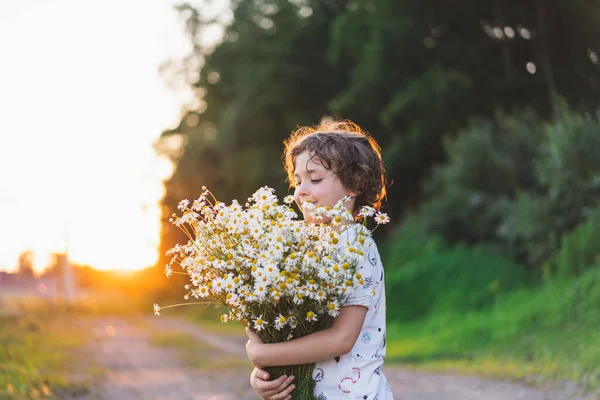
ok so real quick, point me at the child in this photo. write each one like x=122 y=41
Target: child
x=324 y=164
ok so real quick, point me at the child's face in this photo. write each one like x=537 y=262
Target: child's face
x=319 y=185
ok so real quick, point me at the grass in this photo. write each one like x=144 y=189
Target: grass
x=533 y=335
x=40 y=346
x=38 y=352
x=471 y=310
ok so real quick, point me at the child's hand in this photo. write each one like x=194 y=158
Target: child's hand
x=279 y=389
x=253 y=348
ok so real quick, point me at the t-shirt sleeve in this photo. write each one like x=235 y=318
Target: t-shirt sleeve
x=363 y=295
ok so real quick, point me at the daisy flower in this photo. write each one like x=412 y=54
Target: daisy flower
x=311 y=284
x=280 y=322
x=259 y=323
x=156 y=309
x=289 y=213
x=260 y=291
x=202 y=291
x=333 y=308
x=308 y=207
x=183 y=205
x=289 y=199
x=366 y=211
x=310 y=259
x=319 y=295
x=299 y=298
x=276 y=295
x=311 y=316
x=382 y=218
x=198 y=204
x=218 y=285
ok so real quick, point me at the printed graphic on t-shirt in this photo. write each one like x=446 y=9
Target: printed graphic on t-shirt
x=346 y=385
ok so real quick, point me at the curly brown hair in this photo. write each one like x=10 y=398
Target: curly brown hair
x=348 y=151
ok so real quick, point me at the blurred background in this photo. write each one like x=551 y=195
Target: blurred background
x=487 y=113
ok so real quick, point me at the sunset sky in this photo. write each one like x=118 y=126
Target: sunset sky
x=81 y=102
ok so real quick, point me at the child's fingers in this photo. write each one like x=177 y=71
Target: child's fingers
x=278 y=389
x=285 y=394
x=261 y=374
x=272 y=386
x=284 y=390
x=281 y=383
x=284 y=384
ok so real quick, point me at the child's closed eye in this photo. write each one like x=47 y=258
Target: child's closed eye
x=313 y=181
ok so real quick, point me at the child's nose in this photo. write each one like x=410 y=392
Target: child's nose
x=301 y=191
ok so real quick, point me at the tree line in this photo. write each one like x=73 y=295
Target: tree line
x=416 y=74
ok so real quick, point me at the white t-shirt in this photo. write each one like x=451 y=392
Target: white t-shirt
x=358 y=374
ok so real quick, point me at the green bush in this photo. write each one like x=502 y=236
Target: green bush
x=567 y=172
x=424 y=276
x=579 y=250
x=586 y=297
x=516 y=182
x=488 y=162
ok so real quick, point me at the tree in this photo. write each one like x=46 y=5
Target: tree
x=421 y=70
x=411 y=72
x=25 y=268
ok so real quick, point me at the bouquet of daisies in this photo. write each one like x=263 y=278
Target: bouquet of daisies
x=281 y=277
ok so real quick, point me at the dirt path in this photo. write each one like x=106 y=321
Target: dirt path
x=408 y=385
x=135 y=369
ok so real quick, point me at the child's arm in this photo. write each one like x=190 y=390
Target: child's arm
x=316 y=347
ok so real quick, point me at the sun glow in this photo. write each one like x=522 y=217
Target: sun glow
x=81 y=104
